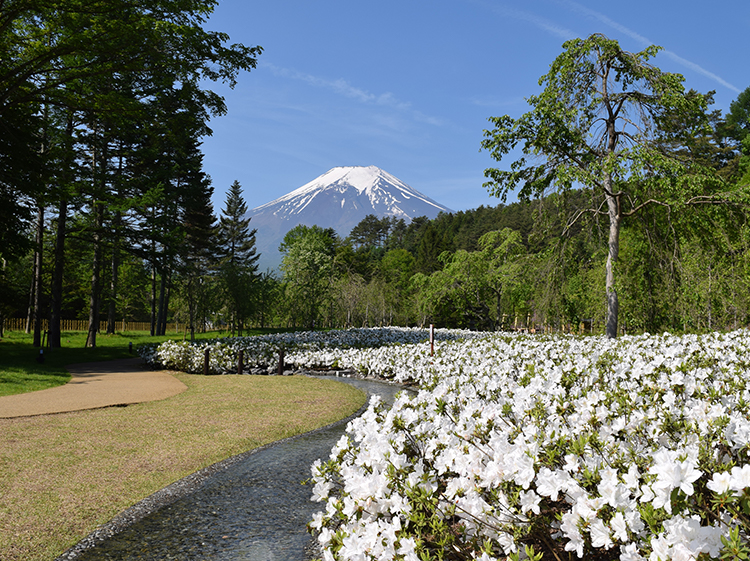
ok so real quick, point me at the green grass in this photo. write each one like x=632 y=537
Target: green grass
x=63 y=475
x=20 y=372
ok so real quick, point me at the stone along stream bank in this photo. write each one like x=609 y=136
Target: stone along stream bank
x=252 y=507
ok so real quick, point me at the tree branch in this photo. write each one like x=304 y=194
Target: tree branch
x=645 y=204
x=580 y=213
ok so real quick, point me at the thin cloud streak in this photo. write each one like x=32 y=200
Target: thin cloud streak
x=344 y=88
x=701 y=70
x=576 y=7
x=542 y=23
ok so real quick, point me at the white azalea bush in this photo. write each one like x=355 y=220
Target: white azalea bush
x=546 y=447
x=309 y=349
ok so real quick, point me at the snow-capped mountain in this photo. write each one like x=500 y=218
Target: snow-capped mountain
x=338 y=199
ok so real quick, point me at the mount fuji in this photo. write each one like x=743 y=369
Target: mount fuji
x=338 y=199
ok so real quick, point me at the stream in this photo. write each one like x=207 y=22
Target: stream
x=255 y=510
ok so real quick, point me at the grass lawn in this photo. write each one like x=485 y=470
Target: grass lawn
x=63 y=475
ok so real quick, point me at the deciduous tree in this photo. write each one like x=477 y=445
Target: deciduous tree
x=596 y=125
x=307 y=265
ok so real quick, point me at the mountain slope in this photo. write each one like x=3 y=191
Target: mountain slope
x=338 y=199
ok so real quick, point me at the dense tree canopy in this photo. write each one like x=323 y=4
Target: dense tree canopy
x=102 y=108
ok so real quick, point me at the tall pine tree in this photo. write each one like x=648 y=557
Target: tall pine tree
x=238 y=264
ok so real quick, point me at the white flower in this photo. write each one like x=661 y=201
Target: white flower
x=407 y=548
x=740 y=477
x=629 y=552
x=530 y=502
x=600 y=534
x=612 y=492
x=720 y=482
x=317 y=521
x=549 y=483
x=492 y=434
x=321 y=491
x=619 y=527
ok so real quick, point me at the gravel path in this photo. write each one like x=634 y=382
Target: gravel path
x=93 y=385
x=251 y=507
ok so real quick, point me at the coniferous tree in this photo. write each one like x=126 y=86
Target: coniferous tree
x=238 y=257
x=199 y=249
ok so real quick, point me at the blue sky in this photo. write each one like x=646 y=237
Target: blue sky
x=408 y=85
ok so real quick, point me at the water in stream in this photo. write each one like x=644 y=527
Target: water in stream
x=256 y=510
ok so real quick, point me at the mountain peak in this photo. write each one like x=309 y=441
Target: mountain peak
x=339 y=199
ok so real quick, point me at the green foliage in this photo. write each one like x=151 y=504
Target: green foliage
x=738 y=118
x=609 y=122
x=308 y=267
x=103 y=104
x=114 y=94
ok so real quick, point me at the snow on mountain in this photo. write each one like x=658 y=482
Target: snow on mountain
x=338 y=199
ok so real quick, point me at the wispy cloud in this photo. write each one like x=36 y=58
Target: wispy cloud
x=542 y=23
x=576 y=7
x=345 y=89
x=701 y=70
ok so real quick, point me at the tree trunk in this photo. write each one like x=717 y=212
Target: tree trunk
x=32 y=293
x=191 y=308
x=95 y=298
x=37 y=313
x=55 y=334
x=166 y=303
x=153 y=289
x=2 y=315
x=614 y=249
x=161 y=312
x=112 y=308
x=114 y=280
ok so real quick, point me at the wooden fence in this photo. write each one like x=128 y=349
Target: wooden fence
x=19 y=324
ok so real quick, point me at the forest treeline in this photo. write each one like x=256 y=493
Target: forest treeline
x=105 y=208
x=104 y=202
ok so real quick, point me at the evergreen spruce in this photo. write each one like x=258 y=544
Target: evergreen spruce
x=237 y=258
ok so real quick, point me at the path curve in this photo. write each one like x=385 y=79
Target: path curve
x=94 y=385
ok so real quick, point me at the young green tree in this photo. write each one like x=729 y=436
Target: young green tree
x=308 y=267
x=596 y=125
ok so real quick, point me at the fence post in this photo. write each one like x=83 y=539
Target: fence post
x=432 y=339
x=281 y=362
x=205 y=362
x=240 y=362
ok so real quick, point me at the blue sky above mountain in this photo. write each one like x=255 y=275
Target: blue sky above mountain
x=408 y=86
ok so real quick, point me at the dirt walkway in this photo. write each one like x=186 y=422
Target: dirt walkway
x=94 y=385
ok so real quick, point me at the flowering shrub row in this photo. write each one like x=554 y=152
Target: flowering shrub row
x=311 y=349
x=518 y=446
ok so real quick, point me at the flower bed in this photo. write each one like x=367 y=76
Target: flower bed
x=309 y=349
x=634 y=448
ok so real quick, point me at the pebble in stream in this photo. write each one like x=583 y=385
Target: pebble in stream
x=255 y=510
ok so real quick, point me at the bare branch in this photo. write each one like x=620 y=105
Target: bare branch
x=645 y=204
x=580 y=213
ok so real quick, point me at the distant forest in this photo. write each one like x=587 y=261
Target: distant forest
x=509 y=266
